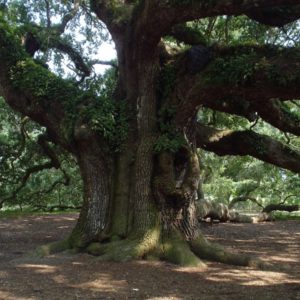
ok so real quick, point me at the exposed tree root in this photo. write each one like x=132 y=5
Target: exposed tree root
x=51 y=248
x=177 y=251
x=133 y=247
x=214 y=252
x=173 y=249
x=151 y=246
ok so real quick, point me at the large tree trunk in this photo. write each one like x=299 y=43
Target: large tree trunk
x=139 y=202
x=95 y=167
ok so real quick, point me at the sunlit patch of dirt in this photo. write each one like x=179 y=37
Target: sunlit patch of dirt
x=81 y=276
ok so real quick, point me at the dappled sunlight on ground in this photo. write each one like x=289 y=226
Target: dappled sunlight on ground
x=81 y=276
x=39 y=269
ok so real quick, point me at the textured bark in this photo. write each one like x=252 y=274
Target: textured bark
x=145 y=214
x=95 y=170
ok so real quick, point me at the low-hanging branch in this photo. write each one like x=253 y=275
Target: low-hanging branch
x=282 y=207
x=228 y=142
x=274 y=112
x=270 y=207
x=242 y=199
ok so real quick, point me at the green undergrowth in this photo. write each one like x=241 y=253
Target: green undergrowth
x=17 y=213
x=285 y=216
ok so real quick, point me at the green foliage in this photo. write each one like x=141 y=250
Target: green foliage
x=167 y=143
x=284 y=216
x=229 y=177
x=105 y=115
x=101 y=112
x=19 y=151
x=33 y=79
x=109 y=119
x=15 y=212
x=169 y=139
x=238 y=69
x=167 y=80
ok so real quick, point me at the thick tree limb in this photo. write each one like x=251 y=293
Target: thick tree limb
x=289 y=208
x=273 y=13
x=185 y=34
x=228 y=142
x=36 y=92
x=242 y=199
x=74 y=55
x=277 y=114
x=114 y=14
x=158 y=17
x=68 y=17
x=242 y=80
x=272 y=111
x=104 y=62
x=277 y=16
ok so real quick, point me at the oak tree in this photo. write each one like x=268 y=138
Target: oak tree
x=137 y=146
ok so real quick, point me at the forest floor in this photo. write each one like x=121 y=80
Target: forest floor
x=81 y=276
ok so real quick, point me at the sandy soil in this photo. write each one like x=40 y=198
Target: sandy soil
x=82 y=276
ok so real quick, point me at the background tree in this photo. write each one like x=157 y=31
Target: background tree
x=244 y=182
x=137 y=147
x=33 y=172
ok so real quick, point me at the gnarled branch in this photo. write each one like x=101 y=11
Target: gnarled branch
x=289 y=208
x=242 y=199
x=158 y=17
x=228 y=142
x=241 y=80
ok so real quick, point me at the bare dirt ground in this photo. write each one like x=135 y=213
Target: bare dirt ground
x=66 y=276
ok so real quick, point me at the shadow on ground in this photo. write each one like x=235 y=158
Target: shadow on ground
x=84 y=277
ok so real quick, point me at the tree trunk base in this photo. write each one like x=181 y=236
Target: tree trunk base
x=154 y=246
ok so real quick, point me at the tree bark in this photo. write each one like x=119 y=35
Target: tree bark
x=95 y=168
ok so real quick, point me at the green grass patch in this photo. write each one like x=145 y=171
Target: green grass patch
x=25 y=212
x=284 y=216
